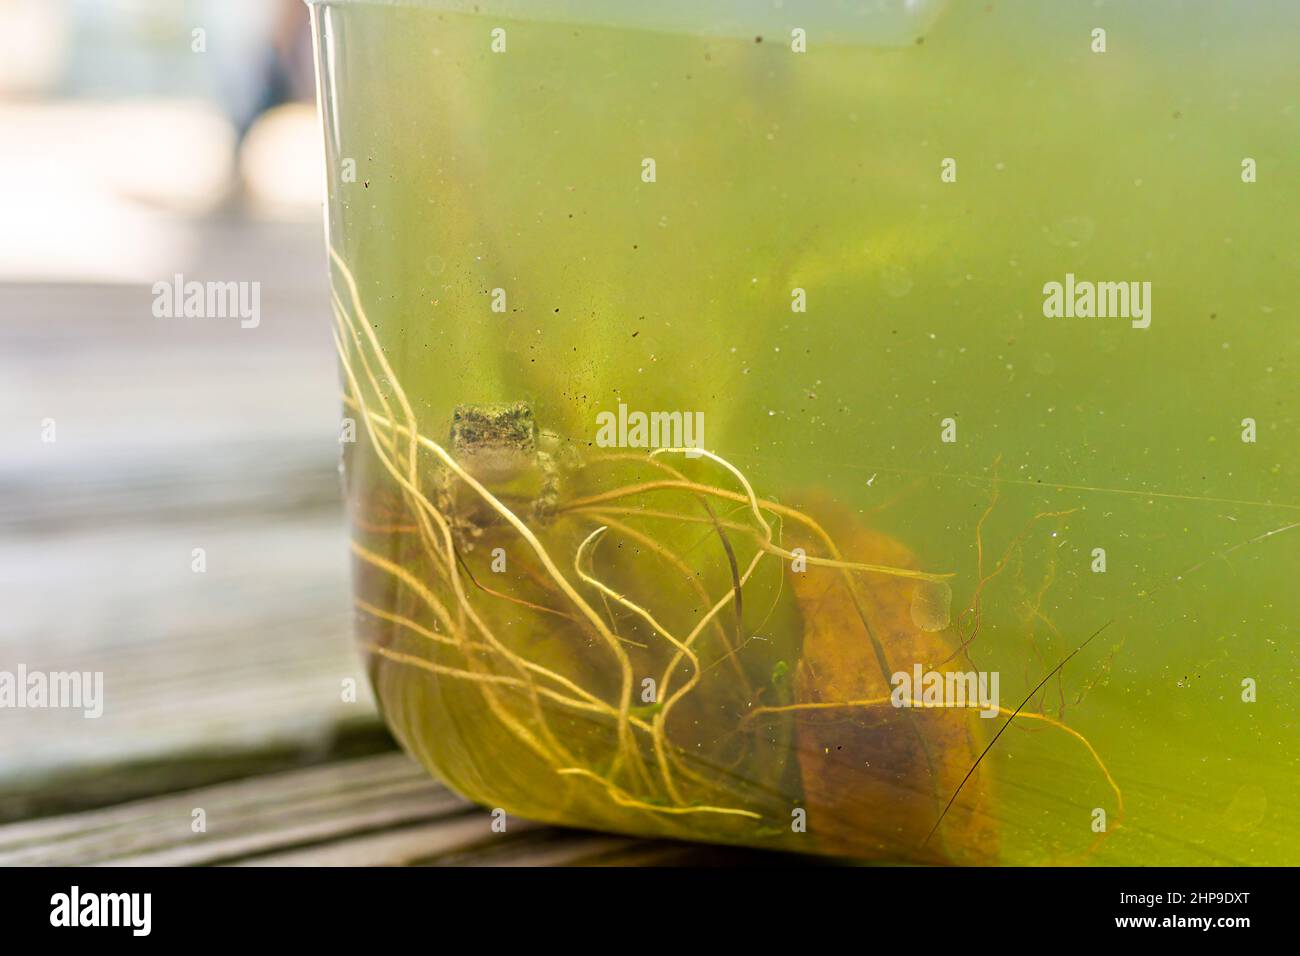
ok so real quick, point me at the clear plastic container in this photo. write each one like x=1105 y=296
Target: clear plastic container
x=727 y=466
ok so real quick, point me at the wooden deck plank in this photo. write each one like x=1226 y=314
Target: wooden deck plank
x=172 y=435
x=259 y=815
x=373 y=811
x=404 y=846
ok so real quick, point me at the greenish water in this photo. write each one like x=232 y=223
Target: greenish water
x=522 y=171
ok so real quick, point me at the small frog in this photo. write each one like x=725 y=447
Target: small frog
x=502 y=448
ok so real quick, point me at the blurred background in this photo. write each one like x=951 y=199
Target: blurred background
x=141 y=140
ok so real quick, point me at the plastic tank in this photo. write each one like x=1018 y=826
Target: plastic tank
x=865 y=429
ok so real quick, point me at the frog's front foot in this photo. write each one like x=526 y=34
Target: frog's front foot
x=464 y=532
x=548 y=498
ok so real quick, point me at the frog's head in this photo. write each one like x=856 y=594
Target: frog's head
x=494 y=441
